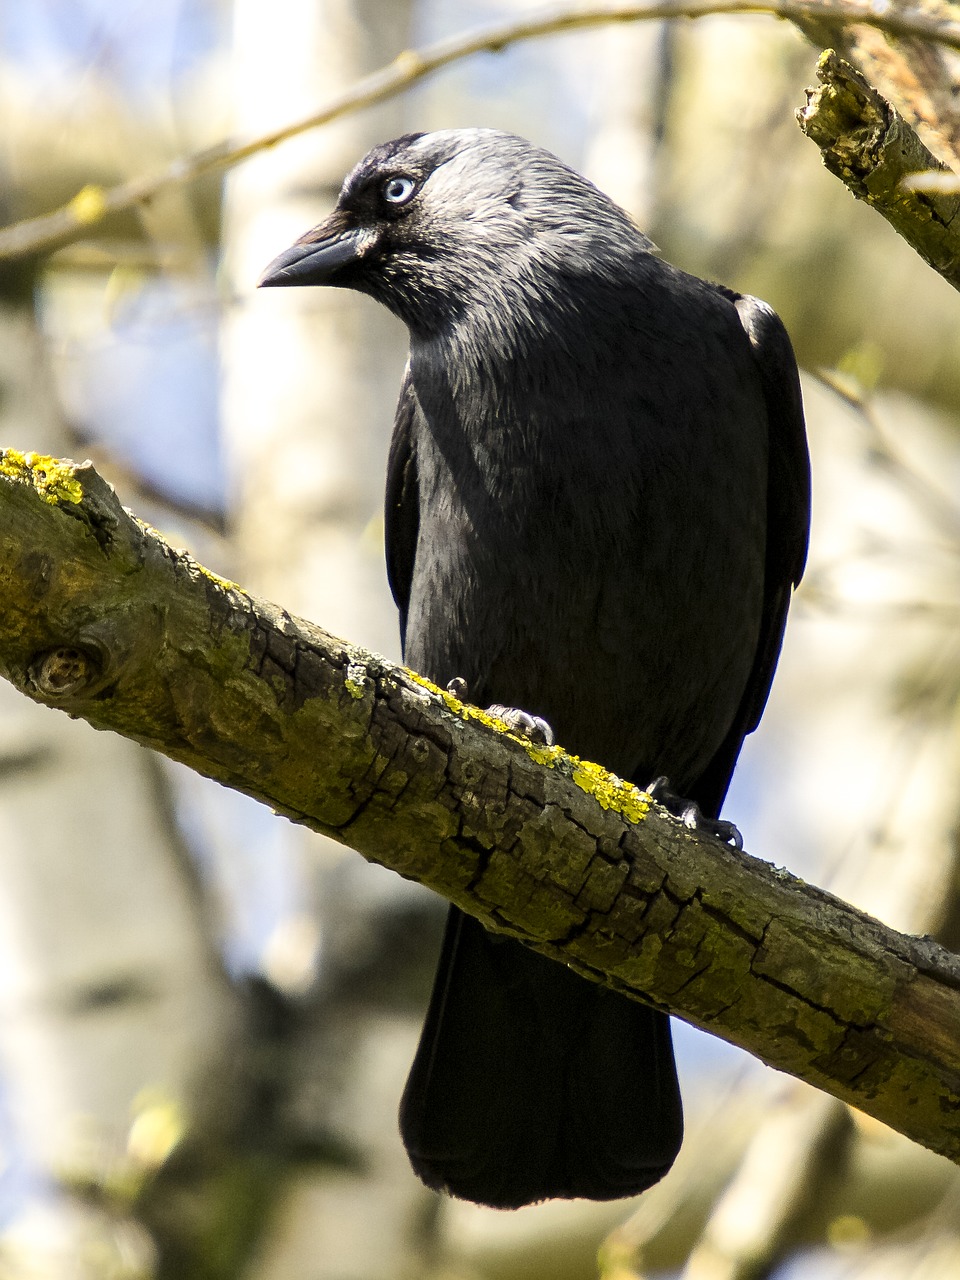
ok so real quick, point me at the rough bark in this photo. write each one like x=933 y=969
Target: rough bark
x=105 y=621
x=869 y=146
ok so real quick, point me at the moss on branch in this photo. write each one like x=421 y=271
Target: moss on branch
x=103 y=620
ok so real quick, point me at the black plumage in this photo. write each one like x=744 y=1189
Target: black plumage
x=597 y=506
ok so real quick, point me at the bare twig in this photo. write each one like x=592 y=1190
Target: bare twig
x=91 y=205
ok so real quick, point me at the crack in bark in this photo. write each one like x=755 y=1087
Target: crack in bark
x=693 y=977
x=483 y=854
x=785 y=987
x=727 y=922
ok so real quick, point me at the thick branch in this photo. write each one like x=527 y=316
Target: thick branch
x=869 y=146
x=91 y=205
x=103 y=620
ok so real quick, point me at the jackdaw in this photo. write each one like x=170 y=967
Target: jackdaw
x=597 y=505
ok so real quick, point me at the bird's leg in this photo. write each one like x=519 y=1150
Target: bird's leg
x=689 y=813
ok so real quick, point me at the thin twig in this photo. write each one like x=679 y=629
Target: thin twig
x=91 y=205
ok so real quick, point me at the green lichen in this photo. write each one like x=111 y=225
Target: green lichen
x=609 y=791
x=55 y=481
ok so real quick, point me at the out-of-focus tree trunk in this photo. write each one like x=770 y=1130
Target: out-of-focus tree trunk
x=310 y=381
x=117 y=1026
x=629 y=114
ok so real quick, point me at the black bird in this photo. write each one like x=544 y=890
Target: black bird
x=597 y=506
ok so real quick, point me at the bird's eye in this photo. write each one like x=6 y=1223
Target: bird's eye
x=398 y=190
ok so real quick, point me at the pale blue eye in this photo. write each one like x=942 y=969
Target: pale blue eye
x=398 y=190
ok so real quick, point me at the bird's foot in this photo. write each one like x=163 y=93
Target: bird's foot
x=689 y=813
x=534 y=728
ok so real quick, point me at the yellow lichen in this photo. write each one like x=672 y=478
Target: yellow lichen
x=224 y=583
x=608 y=790
x=541 y=754
x=55 y=481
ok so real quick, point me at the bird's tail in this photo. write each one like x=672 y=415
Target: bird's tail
x=531 y=1082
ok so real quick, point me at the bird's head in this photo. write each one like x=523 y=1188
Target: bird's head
x=430 y=224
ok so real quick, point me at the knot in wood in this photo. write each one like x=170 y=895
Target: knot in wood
x=471 y=772
x=62 y=672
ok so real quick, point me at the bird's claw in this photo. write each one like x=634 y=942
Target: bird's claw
x=534 y=728
x=689 y=813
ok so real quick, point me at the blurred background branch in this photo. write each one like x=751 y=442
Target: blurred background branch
x=93 y=203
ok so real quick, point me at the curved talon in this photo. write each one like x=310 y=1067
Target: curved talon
x=534 y=728
x=728 y=832
x=690 y=814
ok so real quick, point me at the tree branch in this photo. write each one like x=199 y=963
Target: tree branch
x=92 y=204
x=103 y=620
x=868 y=145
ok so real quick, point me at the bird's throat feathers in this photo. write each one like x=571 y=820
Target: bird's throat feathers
x=520 y=329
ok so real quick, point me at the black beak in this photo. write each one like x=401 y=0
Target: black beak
x=320 y=255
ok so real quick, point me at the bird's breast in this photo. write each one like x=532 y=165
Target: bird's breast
x=597 y=559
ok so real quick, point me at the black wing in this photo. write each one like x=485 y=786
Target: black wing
x=402 y=511
x=788 y=526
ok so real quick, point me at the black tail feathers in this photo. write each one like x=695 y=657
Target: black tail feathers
x=532 y=1083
